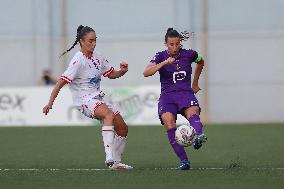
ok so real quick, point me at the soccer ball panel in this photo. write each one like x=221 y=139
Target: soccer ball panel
x=185 y=135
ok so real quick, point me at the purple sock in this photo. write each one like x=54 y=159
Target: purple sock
x=194 y=121
x=179 y=150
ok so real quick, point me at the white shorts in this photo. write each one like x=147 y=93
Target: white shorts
x=89 y=108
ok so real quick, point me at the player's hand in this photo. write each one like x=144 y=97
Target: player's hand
x=124 y=67
x=170 y=60
x=46 y=109
x=195 y=88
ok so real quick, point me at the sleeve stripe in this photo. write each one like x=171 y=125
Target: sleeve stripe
x=66 y=79
x=108 y=72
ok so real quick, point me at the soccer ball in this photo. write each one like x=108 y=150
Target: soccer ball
x=185 y=135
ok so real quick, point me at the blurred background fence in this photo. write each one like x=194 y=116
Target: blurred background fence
x=242 y=42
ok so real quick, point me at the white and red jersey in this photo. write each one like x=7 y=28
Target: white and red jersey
x=84 y=76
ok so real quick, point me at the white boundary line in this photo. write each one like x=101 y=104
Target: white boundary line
x=140 y=169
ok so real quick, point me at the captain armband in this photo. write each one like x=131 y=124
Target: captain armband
x=198 y=59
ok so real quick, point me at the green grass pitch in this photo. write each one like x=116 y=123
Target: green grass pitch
x=235 y=156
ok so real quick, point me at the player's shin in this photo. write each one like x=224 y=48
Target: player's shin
x=195 y=122
x=179 y=150
x=119 y=143
x=108 y=137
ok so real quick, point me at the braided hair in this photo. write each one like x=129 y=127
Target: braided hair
x=81 y=32
x=183 y=36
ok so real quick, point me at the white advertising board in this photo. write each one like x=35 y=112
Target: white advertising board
x=23 y=106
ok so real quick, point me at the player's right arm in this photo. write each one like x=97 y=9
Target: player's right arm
x=152 y=68
x=60 y=83
x=67 y=77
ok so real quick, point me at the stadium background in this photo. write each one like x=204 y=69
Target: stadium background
x=242 y=43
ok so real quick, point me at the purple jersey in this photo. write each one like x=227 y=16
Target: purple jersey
x=176 y=76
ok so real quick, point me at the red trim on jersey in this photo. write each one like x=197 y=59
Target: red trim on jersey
x=66 y=79
x=108 y=72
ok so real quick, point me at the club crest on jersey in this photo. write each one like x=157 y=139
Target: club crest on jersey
x=178 y=67
x=98 y=61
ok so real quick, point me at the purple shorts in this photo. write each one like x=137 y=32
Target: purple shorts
x=176 y=102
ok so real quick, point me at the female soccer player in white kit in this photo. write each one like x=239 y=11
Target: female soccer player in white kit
x=83 y=76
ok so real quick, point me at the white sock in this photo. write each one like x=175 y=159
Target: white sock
x=108 y=136
x=119 y=143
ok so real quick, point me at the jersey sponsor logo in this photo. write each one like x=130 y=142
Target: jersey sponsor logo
x=178 y=76
x=95 y=80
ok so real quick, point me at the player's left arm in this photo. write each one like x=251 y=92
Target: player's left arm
x=200 y=64
x=118 y=73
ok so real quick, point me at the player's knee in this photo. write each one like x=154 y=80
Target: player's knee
x=168 y=120
x=169 y=124
x=193 y=111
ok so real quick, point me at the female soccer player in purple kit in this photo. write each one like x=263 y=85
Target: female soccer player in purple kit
x=177 y=94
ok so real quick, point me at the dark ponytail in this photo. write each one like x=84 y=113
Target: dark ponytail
x=81 y=32
x=183 y=36
x=170 y=29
